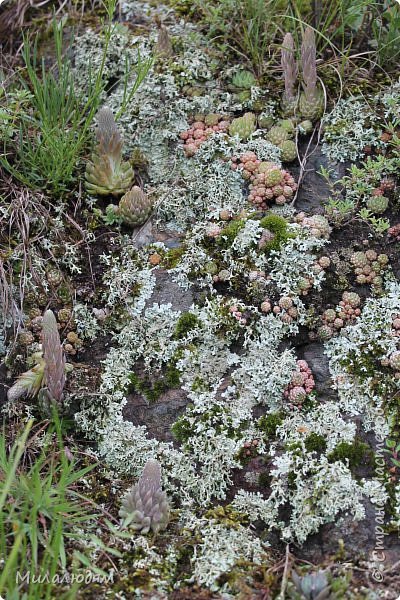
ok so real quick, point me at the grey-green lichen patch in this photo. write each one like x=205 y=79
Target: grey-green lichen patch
x=348 y=128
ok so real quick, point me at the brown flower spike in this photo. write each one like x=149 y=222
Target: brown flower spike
x=54 y=358
x=289 y=68
x=311 y=101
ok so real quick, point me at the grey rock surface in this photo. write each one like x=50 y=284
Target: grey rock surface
x=168 y=291
x=314 y=190
x=158 y=416
x=318 y=361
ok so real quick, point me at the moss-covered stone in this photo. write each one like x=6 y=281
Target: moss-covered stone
x=173 y=256
x=268 y=424
x=182 y=429
x=356 y=453
x=152 y=390
x=172 y=377
x=315 y=443
x=264 y=480
x=227 y=515
x=279 y=227
x=186 y=322
x=229 y=233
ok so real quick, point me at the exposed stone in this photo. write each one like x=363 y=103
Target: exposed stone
x=319 y=365
x=314 y=189
x=167 y=291
x=158 y=416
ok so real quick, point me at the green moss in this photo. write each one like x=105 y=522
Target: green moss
x=143 y=386
x=356 y=453
x=268 y=424
x=153 y=390
x=229 y=233
x=274 y=223
x=199 y=385
x=315 y=443
x=264 y=480
x=340 y=585
x=291 y=478
x=172 y=377
x=278 y=226
x=186 y=322
x=182 y=429
x=159 y=388
x=173 y=256
x=134 y=379
x=391 y=505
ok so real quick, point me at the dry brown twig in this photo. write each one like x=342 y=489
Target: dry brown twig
x=285 y=575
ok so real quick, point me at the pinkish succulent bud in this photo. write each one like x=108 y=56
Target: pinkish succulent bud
x=266 y=306
x=145 y=506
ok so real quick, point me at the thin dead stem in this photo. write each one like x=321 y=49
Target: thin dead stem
x=285 y=575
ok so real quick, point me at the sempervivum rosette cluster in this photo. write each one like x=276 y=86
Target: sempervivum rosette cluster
x=271 y=184
x=394 y=232
x=377 y=203
x=396 y=326
x=247 y=163
x=268 y=182
x=368 y=266
x=321 y=264
x=244 y=126
x=145 y=507
x=250 y=448
x=107 y=173
x=345 y=313
x=394 y=362
x=238 y=313
x=135 y=207
x=281 y=136
x=201 y=130
x=284 y=309
x=317 y=224
x=301 y=384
